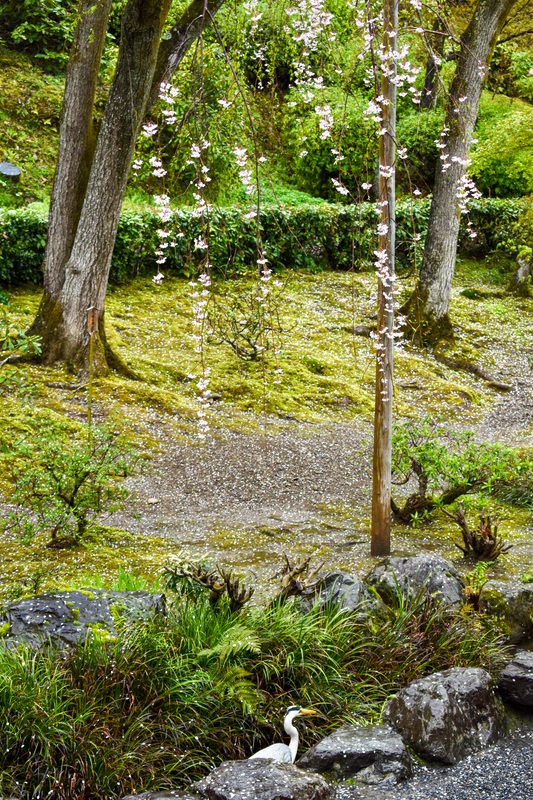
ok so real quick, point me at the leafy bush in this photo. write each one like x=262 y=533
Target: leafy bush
x=173 y=698
x=62 y=482
x=417 y=132
x=351 y=134
x=44 y=28
x=502 y=162
x=452 y=464
x=303 y=237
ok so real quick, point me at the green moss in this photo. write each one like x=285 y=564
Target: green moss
x=4 y=629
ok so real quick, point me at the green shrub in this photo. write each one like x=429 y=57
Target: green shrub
x=44 y=28
x=502 y=163
x=173 y=698
x=63 y=482
x=311 y=237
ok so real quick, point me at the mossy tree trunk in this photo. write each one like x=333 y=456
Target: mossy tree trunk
x=91 y=174
x=428 y=308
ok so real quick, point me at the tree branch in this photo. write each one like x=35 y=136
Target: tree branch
x=172 y=50
x=513 y=36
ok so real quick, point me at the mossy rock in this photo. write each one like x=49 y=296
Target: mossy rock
x=511 y=602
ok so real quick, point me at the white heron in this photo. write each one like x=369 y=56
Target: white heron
x=284 y=752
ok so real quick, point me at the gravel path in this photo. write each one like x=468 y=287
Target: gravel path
x=502 y=772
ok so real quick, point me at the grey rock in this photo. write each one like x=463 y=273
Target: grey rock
x=410 y=574
x=512 y=603
x=448 y=715
x=262 y=779
x=342 y=590
x=166 y=794
x=64 y=618
x=516 y=681
x=370 y=753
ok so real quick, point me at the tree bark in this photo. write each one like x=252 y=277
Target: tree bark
x=381 y=472
x=90 y=180
x=428 y=308
x=77 y=140
x=65 y=333
x=436 y=41
x=174 y=48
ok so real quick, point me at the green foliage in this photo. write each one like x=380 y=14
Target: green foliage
x=450 y=462
x=302 y=237
x=351 y=134
x=63 y=482
x=44 y=28
x=418 y=133
x=170 y=699
x=15 y=342
x=502 y=163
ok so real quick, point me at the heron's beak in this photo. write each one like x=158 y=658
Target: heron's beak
x=308 y=711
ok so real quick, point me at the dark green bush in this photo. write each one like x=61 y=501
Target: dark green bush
x=314 y=237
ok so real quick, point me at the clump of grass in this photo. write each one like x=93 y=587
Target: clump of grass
x=174 y=697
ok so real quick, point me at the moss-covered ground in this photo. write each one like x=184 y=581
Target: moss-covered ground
x=326 y=378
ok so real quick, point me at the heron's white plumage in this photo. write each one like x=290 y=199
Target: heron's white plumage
x=283 y=752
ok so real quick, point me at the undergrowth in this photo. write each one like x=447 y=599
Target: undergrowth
x=175 y=697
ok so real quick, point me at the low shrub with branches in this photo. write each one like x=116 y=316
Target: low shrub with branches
x=63 y=480
x=445 y=465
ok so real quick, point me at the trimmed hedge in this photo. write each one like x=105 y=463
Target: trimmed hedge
x=305 y=237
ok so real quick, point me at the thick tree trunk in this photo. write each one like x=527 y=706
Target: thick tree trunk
x=77 y=141
x=65 y=334
x=428 y=308
x=91 y=179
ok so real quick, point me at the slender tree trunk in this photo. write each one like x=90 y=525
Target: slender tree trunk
x=428 y=308
x=436 y=41
x=381 y=478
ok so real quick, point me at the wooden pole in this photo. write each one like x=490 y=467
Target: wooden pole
x=381 y=478
x=92 y=327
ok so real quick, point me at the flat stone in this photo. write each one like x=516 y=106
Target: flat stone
x=339 y=589
x=65 y=618
x=11 y=171
x=262 y=779
x=516 y=681
x=369 y=753
x=448 y=715
x=410 y=574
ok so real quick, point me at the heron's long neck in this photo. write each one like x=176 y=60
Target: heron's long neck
x=293 y=733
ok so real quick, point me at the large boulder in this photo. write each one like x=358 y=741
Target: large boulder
x=512 y=603
x=448 y=715
x=369 y=753
x=410 y=574
x=516 y=681
x=338 y=589
x=262 y=779
x=65 y=618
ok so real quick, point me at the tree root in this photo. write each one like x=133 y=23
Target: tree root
x=473 y=369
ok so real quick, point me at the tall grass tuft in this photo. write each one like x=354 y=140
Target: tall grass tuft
x=174 y=697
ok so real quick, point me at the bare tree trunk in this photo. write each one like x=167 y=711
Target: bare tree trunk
x=91 y=178
x=186 y=31
x=77 y=141
x=428 y=308
x=65 y=335
x=381 y=477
